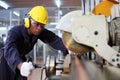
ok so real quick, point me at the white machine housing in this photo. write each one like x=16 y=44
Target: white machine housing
x=91 y=30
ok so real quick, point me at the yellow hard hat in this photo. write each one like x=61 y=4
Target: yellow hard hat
x=104 y=7
x=39 y=14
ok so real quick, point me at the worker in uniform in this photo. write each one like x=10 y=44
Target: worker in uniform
x=20 y=41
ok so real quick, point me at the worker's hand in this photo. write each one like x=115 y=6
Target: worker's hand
x=26 y=68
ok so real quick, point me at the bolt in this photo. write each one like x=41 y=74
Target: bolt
x=113 y=60
x=118 y=65
x=117 y=59
x=118 y=55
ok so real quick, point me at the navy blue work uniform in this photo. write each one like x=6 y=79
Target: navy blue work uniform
x=18 y=44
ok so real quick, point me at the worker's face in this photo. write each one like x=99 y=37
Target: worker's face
x=36 y=27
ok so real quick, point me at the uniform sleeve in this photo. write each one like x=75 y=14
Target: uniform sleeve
x=53 y=40
x=11 y=53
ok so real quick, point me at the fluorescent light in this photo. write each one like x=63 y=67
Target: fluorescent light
x=53 y=23
x=3 y=28
x=16 y=13
x=4 y=4
x=58 y=3
x=60 y=12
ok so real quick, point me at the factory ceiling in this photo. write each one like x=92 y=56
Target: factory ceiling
x=23 y=6
x=47 y=3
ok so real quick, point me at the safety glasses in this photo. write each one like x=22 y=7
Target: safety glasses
x=37 y=24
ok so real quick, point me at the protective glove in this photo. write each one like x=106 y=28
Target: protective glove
x=26 y=68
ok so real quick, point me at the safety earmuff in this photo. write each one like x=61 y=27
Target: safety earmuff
x=27 y=22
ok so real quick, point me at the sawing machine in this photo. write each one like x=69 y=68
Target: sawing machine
x=82 y=34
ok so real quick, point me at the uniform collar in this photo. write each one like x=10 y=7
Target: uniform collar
x=27 y=37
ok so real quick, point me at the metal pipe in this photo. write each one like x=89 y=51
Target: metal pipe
x=83 y=6
x=34 y=53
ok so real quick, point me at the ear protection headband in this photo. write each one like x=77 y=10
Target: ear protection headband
x=27 y=22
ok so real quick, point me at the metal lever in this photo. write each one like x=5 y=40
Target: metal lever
x=29 y=59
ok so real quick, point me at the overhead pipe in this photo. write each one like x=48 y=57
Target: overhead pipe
x=83 y=7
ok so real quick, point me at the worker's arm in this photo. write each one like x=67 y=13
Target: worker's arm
x=53 y=40
x=11 y=53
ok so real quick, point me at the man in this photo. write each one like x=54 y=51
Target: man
x=20 y=41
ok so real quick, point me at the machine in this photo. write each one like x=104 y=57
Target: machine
x=93 y=33
x=82 y=34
